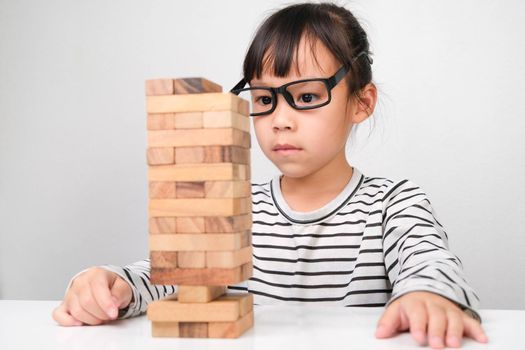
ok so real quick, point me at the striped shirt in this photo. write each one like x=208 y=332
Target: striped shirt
x=377 y=240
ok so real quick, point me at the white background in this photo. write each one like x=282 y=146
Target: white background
x=73 y=185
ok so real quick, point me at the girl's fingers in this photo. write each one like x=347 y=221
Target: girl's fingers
x=102 y=295
x=389 y=323
x=63 y=318
x=454 y=329
x=88 y=302
x=416 y=313
x=76 y=310
x=437 y=325
x=473 y=329
x=121 y=290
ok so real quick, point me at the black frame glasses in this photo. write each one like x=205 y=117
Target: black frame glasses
x=330 y=83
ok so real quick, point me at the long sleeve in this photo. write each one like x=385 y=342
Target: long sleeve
x=137 y=275
x=416 y=251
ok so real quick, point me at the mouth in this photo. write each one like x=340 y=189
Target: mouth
x=286 y=149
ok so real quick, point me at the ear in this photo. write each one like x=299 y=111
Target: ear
x=362 y=107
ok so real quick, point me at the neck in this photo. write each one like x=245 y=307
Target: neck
x=320 y=186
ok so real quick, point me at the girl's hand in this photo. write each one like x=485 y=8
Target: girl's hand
x=93 y=298
x=430 y=317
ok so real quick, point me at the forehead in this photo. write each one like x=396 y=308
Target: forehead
x=312 y=59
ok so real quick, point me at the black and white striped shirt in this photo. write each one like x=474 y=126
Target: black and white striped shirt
x=377 y=240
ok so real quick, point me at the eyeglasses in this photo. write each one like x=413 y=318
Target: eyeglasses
x=300 y=94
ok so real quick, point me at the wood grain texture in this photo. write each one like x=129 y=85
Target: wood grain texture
x=162 y=225
x=164 y=259
x=165 y=329
x=158 y=87
x=192 y=260
x=195 y=85
x=199 y=242
x=228 y=259
x=191 y=224
x=225 y=119
x=228 y=223
x=199 y=137
x=227 y=189
x=226 y=308
x=199 y=294
x=162 y=121
x=201 y=277
x=189 y=155
x=188 y=120
x=193 y=329
x=162 y=189
x=160 y=155
x=231 y=329
x=199 y=172
x=189 y=189
x=197 y=103
x=199 y=207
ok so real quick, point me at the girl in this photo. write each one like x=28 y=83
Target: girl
x=323 y=233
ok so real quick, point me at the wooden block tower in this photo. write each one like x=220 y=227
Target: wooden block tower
x=200 y=208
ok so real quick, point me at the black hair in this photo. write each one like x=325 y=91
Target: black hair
x=276 y=42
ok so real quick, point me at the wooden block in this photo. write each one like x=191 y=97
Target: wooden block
x=216 y=101
x=225 y=119
x=189 y=155
x=246 y=271
x=226 y=154
x=191 y=224
x=199 y=242
x=193 y=329
x=165 y=329
x=164 y=259
x=189 y=189
x=163 y=121
x=160 y=225
x=220 y=224
x=160 y=155
x=227 y=189
x=192 y=260
x=157 y=87
x=228 y=259
x=201 y=277
x=188 y=120
x=195 y=86
x=162 y=189
x=199 y=294
x=230 y=329
x=199 y=172
x=198 y=137
x=199 y=207
x=226 y=308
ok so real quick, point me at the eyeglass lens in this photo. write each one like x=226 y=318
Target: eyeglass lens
x=305 y=95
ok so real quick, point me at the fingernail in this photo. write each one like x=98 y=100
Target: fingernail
x=77 y=323
x=436 y=342
x=453 y=341
x=380 y=330
x=112 y=312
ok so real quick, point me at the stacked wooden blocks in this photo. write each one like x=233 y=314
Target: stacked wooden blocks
x=199 y=208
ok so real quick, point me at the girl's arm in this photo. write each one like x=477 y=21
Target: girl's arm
x=137 y=275
x=416 y=251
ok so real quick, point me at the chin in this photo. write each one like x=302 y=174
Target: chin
x=293 y=170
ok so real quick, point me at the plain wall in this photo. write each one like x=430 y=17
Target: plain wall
x=73 y=183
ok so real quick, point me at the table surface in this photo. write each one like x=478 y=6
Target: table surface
x=28 y=325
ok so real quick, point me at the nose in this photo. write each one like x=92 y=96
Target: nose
x=283 y=117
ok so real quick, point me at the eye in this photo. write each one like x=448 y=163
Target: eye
x=265 y=100
x=307 y=98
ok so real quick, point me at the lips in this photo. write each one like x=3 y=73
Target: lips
x=285 y=147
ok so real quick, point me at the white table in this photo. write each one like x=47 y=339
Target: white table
x=29 y=325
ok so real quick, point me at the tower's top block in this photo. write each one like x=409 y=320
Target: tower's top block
x=159 y=87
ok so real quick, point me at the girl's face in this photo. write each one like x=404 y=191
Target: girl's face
x=315 y=138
